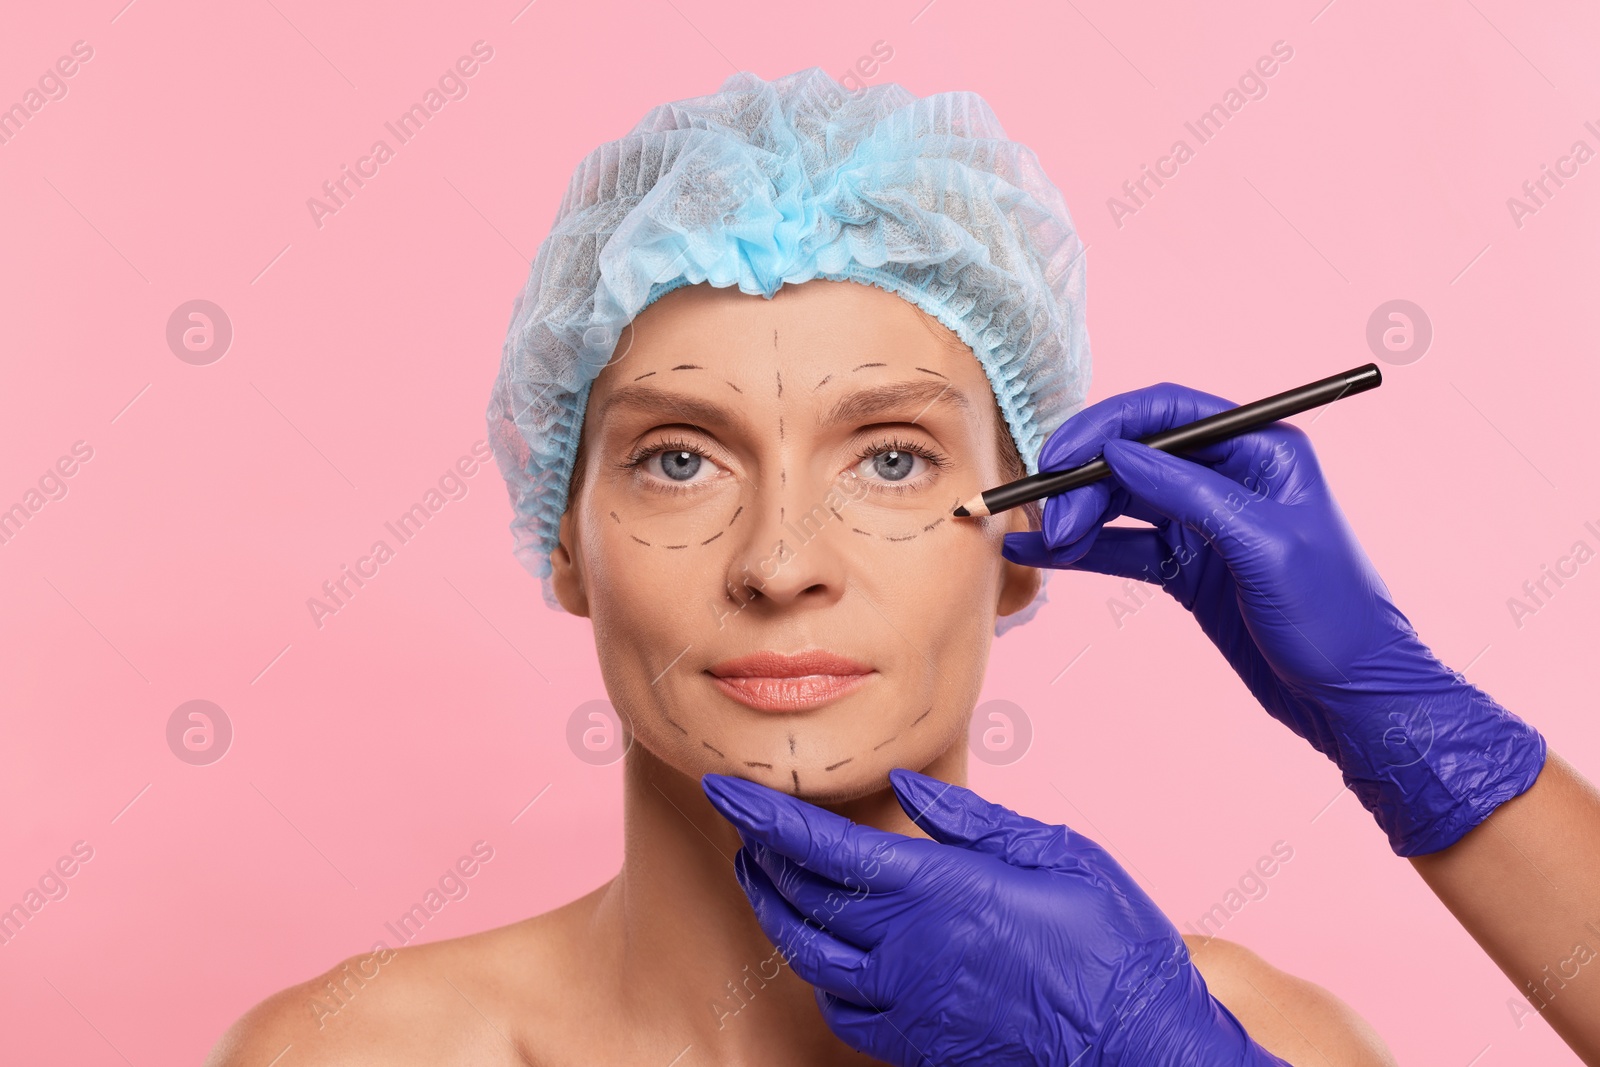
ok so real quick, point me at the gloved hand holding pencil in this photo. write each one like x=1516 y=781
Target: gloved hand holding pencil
x=1249 y=539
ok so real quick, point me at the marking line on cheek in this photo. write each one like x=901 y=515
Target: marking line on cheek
x=841 y=763
x=714 y=748
x=755 y=763
x=885 y=741
x=735 y=388
x=796 y=779
x=646 y=374
x=791 y=744
x=924 y=715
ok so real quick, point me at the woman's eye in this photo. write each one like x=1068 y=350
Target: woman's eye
x=893 y=465
x=679 y=466
x=896 y=466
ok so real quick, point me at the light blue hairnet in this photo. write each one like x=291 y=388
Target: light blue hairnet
x=767 y=183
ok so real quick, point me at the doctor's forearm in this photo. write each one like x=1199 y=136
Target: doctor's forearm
x=1526 y=884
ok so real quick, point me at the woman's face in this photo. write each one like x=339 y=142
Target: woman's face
x=778 y=476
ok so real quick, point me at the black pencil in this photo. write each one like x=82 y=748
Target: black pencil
x=1197 y=434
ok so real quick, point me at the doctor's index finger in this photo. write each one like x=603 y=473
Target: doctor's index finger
x=1132 y=415
x=819 y=840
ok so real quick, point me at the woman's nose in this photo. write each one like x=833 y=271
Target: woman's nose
x=789 y=552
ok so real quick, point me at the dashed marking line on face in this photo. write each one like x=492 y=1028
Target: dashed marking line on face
x=688 y=366
x=735 y=515
x=641 y=540
x=713 y=748
x=757 y=763
x=791 y=744
x=924 y=715
x=934 y=523
x=713 y=537
x=646 y=374
x=614 y=515
x=820 y=384
x=907 y=537
x=935 y=373
x=674 y=722
x=735 y=388
x=841 y=763
x=780 y=373
x=864 y=365
x=796 y=780
x=858 y=530
x=885 y=741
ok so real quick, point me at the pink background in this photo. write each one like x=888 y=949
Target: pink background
x=370 y=753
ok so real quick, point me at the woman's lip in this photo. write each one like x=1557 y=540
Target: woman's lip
x=769 y=664
x=791 y=694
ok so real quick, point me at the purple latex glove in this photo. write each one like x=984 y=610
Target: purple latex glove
x=1249 y=539
x=1003 y=941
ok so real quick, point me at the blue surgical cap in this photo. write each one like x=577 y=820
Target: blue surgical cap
x=767 y=183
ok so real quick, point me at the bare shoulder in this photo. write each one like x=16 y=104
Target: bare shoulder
x=469 y=1000
x=1295 y=1020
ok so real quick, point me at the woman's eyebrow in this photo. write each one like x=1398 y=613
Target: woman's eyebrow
x=895 y=396
x=856 y=406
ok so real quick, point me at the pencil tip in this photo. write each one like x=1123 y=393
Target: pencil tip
x=962 y=512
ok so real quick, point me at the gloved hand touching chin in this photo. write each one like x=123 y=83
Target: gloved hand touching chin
x=1003 y=941
x=1249 y=539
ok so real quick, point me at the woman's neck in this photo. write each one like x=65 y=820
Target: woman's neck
x=692 y=962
